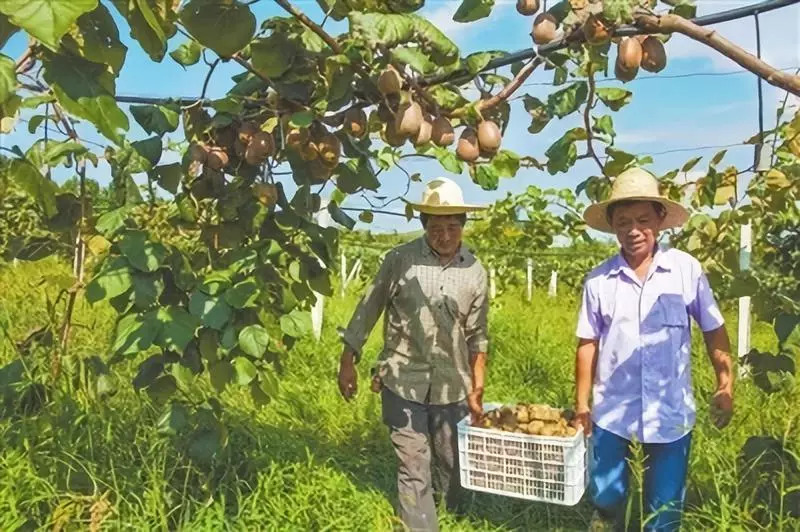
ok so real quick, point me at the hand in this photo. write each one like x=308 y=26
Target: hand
x=475 y=404
x=721 y=408
x=348 y=378
x=376 y=384
x=583 y=418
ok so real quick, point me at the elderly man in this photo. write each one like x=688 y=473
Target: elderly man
x=634 y=354
x=430 y=373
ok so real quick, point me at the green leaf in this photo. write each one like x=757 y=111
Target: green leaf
x=112 y=221
x=448 y=160
x=567 y=100
x=296 y=324
x=174 y=419
x=476 y=62
x=691 y=163
x=415 y=58
x=604 y=126
x=149 y=149
x=540 y=115
x=268 y=382
x=162 y=389
x=86 y=90
x=115 y=278
x=6 y=30
x=41 y=189
x=614 y=98
x=618 y=161
x=472 y=10
x=225 y=27
x=216 y=282
x=147 y=288
x=46 y=20
x=447 y=97
x=301 y=119
x=685 y=9
x=506 y=163
x=135 y=333
x=143 y=254
x=273 y=56
x=213 y=311
x=96 y=38
x=355 y=175
x=152 y=22
x=618 y=12
x=149 y=370
x=718 y=157
x=221 y=373
x=392 y=29
x=168 y=176
x=158 y=119
x=8 y=77
x=253 y=340
x=177 y=328
x=487 y=177
x=246 y=371
x=563 y=153
x=339 y=216
x=785 y=325
x=188 y=53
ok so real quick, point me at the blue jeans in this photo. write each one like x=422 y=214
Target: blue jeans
x=665 y=468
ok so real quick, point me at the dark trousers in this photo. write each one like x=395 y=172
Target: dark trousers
x=425 y=440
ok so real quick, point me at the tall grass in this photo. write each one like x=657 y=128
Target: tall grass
x=309 y=460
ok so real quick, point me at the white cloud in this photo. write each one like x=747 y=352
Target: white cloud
x=441 y=16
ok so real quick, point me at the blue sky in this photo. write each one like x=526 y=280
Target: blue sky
x=666 y=113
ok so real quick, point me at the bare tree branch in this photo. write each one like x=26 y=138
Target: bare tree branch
x=508 y=90
x=587 y=118
x=310 y=24
x=710 y=37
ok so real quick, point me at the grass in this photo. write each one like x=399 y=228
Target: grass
x=310 y=461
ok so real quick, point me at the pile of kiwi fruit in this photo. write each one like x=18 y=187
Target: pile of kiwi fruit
x=534 y=419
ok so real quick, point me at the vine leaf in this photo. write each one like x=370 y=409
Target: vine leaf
x=472 y=10
x=46 y=20
x=415 y=58
x=135 y=333
x=296 y=324
x=213 y=311
x=96 y=38
x=691 y=163
x=151 y=24
x=188 y=53
x=226 y=28
x=614 y=98
x=29 y=179
x=540 y=115
x=246 y=371
x=253 y=340
x=143 y=254
x=8 y=77
x=272 y=56
x=168 y=176
x=158 y=119
x=392 y=29
x=86 y=89
x=563 y=153
x=177 y=328
x=114 y=279
x=6 y=30
x=567 y=100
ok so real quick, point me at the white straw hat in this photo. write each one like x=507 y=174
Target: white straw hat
x=443 y=196
x=635 y=184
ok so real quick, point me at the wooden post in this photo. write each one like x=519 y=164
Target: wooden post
x=552 y=289
x=745 y=248
x=492 y=286
x=322 y=219
x=530 y=279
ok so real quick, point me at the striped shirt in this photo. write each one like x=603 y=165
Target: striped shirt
x=435 y=320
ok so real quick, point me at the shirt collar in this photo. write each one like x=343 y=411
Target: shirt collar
x=428 y=251
x=661 y=260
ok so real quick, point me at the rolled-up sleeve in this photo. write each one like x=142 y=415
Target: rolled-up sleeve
x=703 y=307
x=589 y=315
x=477 y=324
x=370 y=307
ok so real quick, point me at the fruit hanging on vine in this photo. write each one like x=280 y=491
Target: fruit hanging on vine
x=629 y=53
x=261 y=146
x=442 y=133
x=527 y=7
x=545 y=28
x=246 y=132
x=309 y=151
x=409 y=118
x=217 y=158
x=654 y=57
x=596 y=31
x=197 y=153
x=623 y=74
x=392 y=136
x=296 y=138
x=468 y=149
x=390 y=81
x=266 y=194
x=424 y=134
x=489 y=136
x=355 y=122
x=329 y=149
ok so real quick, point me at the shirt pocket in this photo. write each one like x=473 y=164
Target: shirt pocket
x=674 y=320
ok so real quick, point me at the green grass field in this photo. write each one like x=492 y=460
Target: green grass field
x=311 y=461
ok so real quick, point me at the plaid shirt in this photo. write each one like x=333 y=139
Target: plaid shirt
x=435 y=320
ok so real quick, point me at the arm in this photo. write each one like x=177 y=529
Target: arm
x=585 y=365
x=477 y=336
x=719 y=348
x=477 y=364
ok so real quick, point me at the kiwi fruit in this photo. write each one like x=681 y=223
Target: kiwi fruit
x=309 y=151
x=424 y=133
x=246 y=131
x=654 y=57
x=408 y=119
x=261 y=146
x=442 y=133
x=595 y=31
x=197 y=153
x=266 y=194
x=527 y=7
x=329 y=149
x=392 y=136
x=629 y=53
x=468 y=149
x=623 y=74
x=390 y=81
x=355 y=122
x=296 y=138
x=319 y=172
x=489 y=136
x=217 y=158
x=545 y=28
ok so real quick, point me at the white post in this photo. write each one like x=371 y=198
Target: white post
x=343 y=266
x=530 y=279
x=492 y=287
x=745 y=248
x=321 y=218
x=552 y=289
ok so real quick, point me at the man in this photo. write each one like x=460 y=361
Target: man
x=634 y=354
x=430 y=373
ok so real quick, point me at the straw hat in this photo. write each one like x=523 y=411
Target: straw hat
x=443 y=196
x=635 y=184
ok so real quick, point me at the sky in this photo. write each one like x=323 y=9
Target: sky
x=700 y=99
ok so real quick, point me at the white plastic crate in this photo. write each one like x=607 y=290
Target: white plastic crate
x=537 y=468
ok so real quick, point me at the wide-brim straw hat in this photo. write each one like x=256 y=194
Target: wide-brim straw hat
x=443 y=196
x=635 y=184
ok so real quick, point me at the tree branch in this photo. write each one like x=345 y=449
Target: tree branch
x=508 y=90
x=710 y=37
x=587 y=118
x=310 y=24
